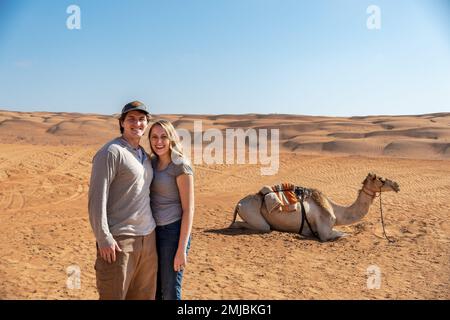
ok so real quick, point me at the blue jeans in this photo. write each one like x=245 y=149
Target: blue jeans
x=169 y=281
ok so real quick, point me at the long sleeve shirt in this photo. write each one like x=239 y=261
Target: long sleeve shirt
x=119 y=192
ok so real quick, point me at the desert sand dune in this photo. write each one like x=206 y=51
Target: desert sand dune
x=44 y=180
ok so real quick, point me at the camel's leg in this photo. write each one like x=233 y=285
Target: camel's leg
x=321 y=221
x=245 y=225
x=324 y=222
x=254 y=220
x=335 y=235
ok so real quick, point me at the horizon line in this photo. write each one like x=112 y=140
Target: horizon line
x=442 y=113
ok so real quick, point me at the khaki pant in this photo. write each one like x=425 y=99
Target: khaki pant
x=133 y=275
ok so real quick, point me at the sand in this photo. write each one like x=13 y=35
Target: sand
x=45 y=163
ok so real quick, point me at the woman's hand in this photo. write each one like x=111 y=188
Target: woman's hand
x=180 y=261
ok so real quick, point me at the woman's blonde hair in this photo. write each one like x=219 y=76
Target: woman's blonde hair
x=176 y=149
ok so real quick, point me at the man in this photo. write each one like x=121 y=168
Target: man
x=120 y=213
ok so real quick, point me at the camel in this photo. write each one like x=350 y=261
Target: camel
x=321 y=213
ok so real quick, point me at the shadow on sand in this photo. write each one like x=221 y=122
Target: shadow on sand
x=242 y=231
x=234 y=231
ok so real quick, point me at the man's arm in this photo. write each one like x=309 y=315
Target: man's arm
x=104 y=168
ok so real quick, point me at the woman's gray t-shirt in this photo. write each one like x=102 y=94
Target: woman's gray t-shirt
x=165 y=197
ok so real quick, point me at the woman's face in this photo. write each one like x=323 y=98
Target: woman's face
x=159 y=141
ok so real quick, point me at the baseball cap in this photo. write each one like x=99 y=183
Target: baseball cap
x=135 y=106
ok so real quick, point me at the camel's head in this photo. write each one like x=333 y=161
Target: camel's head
x=376 y=184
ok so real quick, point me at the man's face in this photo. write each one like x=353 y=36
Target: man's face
x=134 y=124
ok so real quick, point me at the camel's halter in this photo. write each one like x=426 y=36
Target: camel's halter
x=382 y=221
x=381 y=210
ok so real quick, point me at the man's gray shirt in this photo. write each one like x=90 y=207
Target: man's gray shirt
x=119 y=193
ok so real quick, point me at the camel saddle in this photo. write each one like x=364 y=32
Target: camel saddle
x=283 y=197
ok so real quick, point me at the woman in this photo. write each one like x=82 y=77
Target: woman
x=172 y=202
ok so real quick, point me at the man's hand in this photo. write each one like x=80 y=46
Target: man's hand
x=109 y=253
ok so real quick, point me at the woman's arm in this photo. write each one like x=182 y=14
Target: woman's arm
x=186 y=189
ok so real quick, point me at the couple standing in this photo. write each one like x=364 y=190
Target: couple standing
x=141 y=210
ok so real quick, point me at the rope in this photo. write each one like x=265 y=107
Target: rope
x=382 y=221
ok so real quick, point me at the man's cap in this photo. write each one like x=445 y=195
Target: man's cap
x=135 y=106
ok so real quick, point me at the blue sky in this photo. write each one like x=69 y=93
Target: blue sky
x=226 y=56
